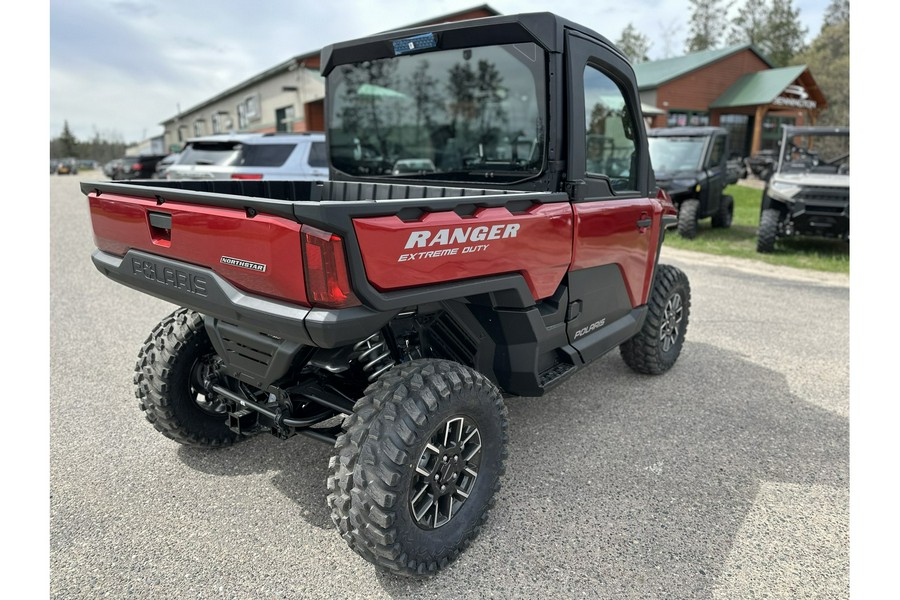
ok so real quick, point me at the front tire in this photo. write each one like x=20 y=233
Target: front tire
x=418 y=465
x=768 y=230
x=687 y=218
x=658 y=344
x=168 y=383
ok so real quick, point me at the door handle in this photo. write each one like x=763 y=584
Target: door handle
x=644 y=223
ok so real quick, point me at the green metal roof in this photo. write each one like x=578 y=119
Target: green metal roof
x=653 y=74
x=758 y=88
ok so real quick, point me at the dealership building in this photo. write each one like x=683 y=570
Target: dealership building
x=735 y=87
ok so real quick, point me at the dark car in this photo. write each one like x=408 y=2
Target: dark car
x=138 y=167
x=690 y=163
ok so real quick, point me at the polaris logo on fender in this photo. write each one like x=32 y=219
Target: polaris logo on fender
x=461 y=235
x=246 y=264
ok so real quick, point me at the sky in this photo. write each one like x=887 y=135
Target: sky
x=121 y=67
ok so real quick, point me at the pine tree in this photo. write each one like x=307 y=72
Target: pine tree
x=68 y=145
x=708 y=23
x=838 y=12
x=785 y=33
x=773 y=26
x=634 y=44
x=828 y=59
x=750 y=24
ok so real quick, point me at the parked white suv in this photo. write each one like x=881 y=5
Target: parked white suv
x=285 y=156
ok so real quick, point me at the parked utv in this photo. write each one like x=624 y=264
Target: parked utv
x=809 y=192
x=411 y=304
x=690 y=163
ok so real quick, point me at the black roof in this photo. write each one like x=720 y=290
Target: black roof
x=544 y=28
x=685 y=131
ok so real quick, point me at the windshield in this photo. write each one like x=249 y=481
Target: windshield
x=461 y=115
x=819 y=152
x=210 y=153
x=673 y=154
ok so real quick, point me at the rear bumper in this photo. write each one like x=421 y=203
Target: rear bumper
x=203 y=290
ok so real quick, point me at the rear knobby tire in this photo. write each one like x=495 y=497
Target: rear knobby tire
x=687 y=218
x=168 y=380
x=393 y=445
x=768 y=230
x=658 y=344
x=723 y=218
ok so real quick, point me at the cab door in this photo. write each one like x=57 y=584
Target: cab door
x=608 y=173
x=716 y=167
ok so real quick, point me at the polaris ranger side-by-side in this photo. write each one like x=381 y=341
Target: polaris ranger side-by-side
x=411 y=302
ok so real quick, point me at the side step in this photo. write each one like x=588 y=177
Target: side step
x=555 y=374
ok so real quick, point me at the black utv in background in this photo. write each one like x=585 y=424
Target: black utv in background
x=690 y=163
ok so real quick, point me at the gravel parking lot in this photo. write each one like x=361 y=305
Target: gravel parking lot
x=725 y=478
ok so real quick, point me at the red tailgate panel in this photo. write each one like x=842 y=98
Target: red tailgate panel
x=204 y=235
x=444 y=246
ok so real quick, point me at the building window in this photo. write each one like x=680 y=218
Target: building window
x=242 y=115
x=687 y=118
x=252 y=104
x=738 y=127
x=198 y=127
x=609 y=131
x=771 y=131
x=284 y=118
x=218 y=122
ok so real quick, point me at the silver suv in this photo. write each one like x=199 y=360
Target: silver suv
x=285 y=156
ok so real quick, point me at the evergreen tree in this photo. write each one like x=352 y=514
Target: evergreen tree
x=751 y=23
x=773 y=26
x=68 y=145
x=708 y=23
x=634 y=44
x=838 y=12
x=828 y=59
x=785 y=33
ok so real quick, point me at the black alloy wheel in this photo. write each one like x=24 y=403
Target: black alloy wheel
x=445 y=473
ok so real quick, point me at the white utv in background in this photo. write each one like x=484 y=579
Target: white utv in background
x=809 y=192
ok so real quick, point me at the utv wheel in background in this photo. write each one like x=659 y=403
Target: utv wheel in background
x=725 y=216
x=656 y=347
x=416 y=469
x=169 y=383
x=687 y=218
x=768 y=230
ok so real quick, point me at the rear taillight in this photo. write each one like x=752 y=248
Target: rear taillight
x=136 y=167
x=246 y=176
x=325 y=269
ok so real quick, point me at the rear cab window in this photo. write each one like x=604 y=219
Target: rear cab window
x=265 y=155
x=210 y=153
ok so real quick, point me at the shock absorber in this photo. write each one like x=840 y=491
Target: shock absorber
x=374 y=356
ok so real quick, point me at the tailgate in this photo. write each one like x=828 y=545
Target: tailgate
x=259 y=254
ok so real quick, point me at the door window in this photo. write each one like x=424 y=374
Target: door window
x=610 y=145
x=718 y=151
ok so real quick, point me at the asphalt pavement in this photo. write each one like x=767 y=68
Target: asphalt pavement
x=725 y=478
